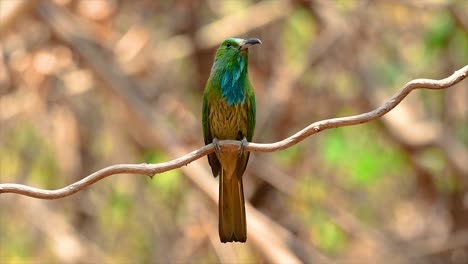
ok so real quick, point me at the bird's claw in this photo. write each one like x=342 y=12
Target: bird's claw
x=216 y=145
x=244 y=143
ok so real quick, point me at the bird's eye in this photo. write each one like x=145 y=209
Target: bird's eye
x=229 y=45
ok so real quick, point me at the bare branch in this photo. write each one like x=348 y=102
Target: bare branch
x=316 y=127
x=232 y=145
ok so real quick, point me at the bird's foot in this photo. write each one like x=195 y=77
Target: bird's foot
x=244 y=143
x=217 y=147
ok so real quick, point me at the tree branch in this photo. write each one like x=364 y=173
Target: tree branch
x=232 y=145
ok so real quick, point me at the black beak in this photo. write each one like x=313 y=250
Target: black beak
x=246 y=43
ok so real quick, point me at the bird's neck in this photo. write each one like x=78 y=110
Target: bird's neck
x=232 y=78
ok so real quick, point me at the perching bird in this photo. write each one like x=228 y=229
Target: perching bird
x=229 y=113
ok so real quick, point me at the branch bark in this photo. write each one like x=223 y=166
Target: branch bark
x=232 y=145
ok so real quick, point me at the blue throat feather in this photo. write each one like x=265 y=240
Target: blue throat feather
x=232 y=81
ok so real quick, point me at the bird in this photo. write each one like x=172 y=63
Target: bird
x=228 y=112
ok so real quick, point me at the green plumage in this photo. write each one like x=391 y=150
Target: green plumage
x=229 y=113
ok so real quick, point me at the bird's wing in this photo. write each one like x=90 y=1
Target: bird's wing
x=250 y=107
x=251 y=113
x=212 y=159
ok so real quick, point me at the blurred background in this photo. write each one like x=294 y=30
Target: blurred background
x=86 y=84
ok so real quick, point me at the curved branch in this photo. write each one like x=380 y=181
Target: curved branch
x=232 y=145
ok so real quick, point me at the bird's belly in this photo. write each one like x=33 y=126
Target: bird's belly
x=228 y=122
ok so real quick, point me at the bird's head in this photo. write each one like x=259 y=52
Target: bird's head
x=234 y=49
x=230 y=68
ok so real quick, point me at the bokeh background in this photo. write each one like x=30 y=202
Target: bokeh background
x=85 y=84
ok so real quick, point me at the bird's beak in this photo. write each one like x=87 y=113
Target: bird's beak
x=246 y=43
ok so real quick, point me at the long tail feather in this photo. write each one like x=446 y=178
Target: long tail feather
x=232 y=223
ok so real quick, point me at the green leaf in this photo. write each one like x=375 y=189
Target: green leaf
x=299 y=30
x=328 y=235
x=288 y=156
x=439 y=32
x=359 y=156
x=167 y=182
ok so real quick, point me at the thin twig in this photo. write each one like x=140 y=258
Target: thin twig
x=232 y=145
